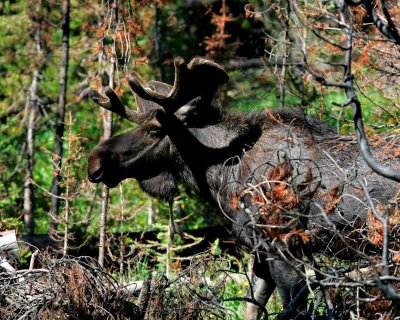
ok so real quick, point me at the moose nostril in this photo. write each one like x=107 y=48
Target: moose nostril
x=96 y=175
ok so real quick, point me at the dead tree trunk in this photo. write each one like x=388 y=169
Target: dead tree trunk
x=158 y=42
x=107 y=125
x=28 y=187
x=31 y=107
x=62 y=100
x=150 y=211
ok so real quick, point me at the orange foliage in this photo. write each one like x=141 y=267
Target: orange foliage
x=334 y=196
x=312 y=49
x=320 y=26
x=235 y=201
x=396 y=257
x=279 y=192
x=333 y=49
x=118 y=90
x=395 y=14
x=273 y=117
x=101 y=32
x=263 y=79
x=363 y=60
x=141 y=61
x=216 y=44
x=359 y=12
x=132 y=22
x=388 y=149
x=96 y=83
x=375 y=228
x=250 y=11
x=277 y=201
x=371 y=309
x=176 y=265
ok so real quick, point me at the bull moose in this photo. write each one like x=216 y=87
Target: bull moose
x=276 y=175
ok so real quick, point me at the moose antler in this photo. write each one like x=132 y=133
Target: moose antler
x=110 y=101
x=162 y=88
x=200 y=78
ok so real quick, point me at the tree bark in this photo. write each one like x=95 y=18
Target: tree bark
x=62 y=101
x=31 y=108
x=107 y=124
x=28 y=187
x=106 y=191
x=150 y=211
x=67 y=189
x=158 y=42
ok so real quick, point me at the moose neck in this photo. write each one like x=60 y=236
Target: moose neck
x=203 y=156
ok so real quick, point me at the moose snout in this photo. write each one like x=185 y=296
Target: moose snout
x=103 y=166
x=95 y=175
x=98 y=162
x=95 y=169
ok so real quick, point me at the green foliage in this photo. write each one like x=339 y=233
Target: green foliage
x=10 y=223
x=247 y=93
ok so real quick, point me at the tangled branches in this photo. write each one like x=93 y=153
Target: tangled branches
x=78 y=288
x=66 y=288
x=197 y=292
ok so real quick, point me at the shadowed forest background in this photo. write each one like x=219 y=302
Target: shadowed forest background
x=277 y=54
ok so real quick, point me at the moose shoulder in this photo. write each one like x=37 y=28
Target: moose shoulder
x=270 y=173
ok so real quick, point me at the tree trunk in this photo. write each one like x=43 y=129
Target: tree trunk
x=31 y=108
x=150 y=211
x=107 y=123
x=62 y=101
x=28 y=188
x=158 y=42
x=121 y=236
x=67 y=188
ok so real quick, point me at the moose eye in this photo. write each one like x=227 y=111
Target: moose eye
x=155 y=132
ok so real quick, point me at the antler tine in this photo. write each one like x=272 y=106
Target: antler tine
x=144 y=105
x=167 y=101
x=200 y=78
x=111 y=101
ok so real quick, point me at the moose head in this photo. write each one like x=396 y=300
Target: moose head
x=146 y=153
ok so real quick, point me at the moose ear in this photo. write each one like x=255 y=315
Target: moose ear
x=193 y=114
x=156 y=86
x=189 y=110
